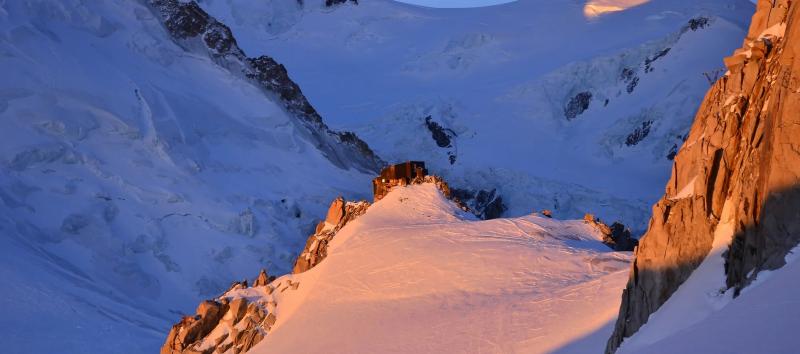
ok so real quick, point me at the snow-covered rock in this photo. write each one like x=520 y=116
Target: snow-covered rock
x=234 y=322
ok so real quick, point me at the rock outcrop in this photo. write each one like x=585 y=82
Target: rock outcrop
x=739 y=167
x=444 y=138
x=263 y=279
x=230 y=323
x=617 y=236
x=339 y=214
x=329 y=3
x=242 y=316
x=577 y=104
x=193 y=28
x=485 y=204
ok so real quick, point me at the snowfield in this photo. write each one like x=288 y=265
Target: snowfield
x=417 y=275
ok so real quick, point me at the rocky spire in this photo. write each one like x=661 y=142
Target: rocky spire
x=339 y=213
x=740 y=166
x=262 y=279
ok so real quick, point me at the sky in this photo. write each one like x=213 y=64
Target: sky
x=455 y=3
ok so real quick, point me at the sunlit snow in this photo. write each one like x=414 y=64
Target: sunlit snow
x=417 y=275
x=455 y=3
x=594 y=8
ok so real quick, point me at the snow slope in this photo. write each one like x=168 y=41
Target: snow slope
x=763 y=319
x=500 y=77
x=702 y=316
x=455 y=3
x=136 y=178
x=416 y=274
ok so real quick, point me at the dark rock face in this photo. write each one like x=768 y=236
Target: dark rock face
x=639 y=133
x=490 y=204
x=740 y=167
x=188 y=22
x=617 y=236
x=484 y=204
x=764 y=245
x=329 y=3
x=698 y=23
x=577 y=105
x=275 y=78
x=439 y=134
x=672 y=152
x=444 y=137
x=648 y=62
x=620 y=238
x=630 y=77
x=632 y=85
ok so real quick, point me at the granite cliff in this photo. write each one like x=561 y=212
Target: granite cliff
x=740 y=166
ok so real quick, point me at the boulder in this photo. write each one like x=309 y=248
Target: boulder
x=192 y=329
x=238 y=307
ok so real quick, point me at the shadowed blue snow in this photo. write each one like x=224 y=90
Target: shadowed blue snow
x=455 y=3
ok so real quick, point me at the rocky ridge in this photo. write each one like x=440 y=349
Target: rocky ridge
x=316 y=249
x=617 y=236
x=231 y=323
x=739 y=169
x=196 y=30
x=342 y=212
x=242 y=316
